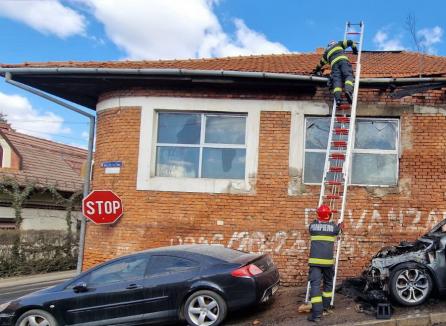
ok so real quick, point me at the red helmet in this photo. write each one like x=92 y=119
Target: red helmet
x=323 y=213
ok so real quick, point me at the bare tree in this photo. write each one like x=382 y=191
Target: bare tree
x=411 y=27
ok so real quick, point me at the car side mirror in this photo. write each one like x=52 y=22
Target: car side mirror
x=80 y=287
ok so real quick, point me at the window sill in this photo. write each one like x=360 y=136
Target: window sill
x=218 y=186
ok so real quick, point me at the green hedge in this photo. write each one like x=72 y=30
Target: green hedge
x=34 y=252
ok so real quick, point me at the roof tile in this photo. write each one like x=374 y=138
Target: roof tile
x=374 y=64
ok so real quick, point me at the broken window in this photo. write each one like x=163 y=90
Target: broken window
x=201 y=145
x=374 y=156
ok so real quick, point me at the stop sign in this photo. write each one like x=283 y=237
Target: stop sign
x=102 y=207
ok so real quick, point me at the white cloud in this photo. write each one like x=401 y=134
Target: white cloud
x=46 y=16
x=166 y=29
x=384 y=43
x=24 y=118
x=429 y=37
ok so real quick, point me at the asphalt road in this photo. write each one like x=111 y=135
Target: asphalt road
x=14 y=292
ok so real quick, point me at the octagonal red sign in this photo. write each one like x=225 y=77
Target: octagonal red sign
x=102 y=207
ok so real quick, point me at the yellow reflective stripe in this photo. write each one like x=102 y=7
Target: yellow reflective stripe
x=316 y=299
x=324 y=61
x=337 y=89
x=335 y=49
x=349 y=82
x=345 y=43
x=327 y=294
x=341 y=57
x=321 y=261
x=323 y=238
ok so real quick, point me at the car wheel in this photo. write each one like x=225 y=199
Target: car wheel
x=36 y=318
x=410 y=284
x=205 y=308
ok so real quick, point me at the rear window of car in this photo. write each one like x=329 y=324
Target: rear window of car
x=165 y=264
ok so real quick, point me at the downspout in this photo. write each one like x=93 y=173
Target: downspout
x=86 y=190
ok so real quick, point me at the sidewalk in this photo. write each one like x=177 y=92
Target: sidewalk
x=283 y=311
x=39 y=278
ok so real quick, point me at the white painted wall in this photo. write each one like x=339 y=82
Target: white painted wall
x=7 y=154
x=41 y=219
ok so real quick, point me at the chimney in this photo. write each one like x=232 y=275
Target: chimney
x=320 y=51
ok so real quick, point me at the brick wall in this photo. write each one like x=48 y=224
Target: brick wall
x=271 y=220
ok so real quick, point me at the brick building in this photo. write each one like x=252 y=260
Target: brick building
x=230 y=151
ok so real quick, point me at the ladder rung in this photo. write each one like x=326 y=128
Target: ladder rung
x=341 y=131
x=334 y=211
x=337 y=156
x=339 y=143
x=342 y=119
x=334 y=183
x=333 y=196
x=344 y=106
x=354 y=33
x=335 y=169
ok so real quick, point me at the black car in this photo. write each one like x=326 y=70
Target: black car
x=411 y=271
x=198 y=283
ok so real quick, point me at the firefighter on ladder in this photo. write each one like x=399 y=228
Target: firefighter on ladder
x=341 y=68
x=323 y=234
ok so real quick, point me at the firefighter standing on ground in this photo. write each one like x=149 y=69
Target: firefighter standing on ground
x=323 y=235
x=341 y=69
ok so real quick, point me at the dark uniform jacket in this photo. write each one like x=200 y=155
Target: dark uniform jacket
x=323 y=235
x=336 y=53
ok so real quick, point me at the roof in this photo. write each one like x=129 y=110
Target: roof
x=46 y=162
x=375 y=64
x=85 y=82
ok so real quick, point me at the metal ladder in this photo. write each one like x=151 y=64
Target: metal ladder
x=340 y=142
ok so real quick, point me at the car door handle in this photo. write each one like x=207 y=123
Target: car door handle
x=133 y=286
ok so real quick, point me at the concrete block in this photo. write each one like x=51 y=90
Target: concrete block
x=438 y=318
x=388 y=322
x=414 y=321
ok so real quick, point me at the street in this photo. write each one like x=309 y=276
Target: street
x=13 y=292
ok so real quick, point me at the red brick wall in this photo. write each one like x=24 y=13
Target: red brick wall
x=271 y=220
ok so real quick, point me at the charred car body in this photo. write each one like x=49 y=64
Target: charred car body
x=410 y=271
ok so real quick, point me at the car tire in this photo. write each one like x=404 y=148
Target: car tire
x=205 y=308
x=410 y=284
x=36 y=316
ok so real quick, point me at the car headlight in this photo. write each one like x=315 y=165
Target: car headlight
x=5 y=305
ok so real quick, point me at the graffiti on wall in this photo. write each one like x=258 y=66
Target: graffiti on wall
x=369 y=226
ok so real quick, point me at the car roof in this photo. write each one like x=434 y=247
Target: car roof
x=214 y=251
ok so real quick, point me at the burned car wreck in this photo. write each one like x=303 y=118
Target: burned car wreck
x=410 y=271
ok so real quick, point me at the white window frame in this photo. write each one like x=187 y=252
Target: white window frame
x=148 y=105
x=202 y=144
x=395 y=151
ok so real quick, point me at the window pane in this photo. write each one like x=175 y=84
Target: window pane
x=224 y=163
x=376 y=134
x=162 y=265
x=314 y=167
x=374 y=169
x=179 y=128
x=317 y=133
x=177 y=162
x=120 y=271
x=225 y=129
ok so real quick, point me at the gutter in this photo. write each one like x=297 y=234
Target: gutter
x=217 y=73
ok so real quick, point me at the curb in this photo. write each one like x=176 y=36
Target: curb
x=423 y=320
x=39 y=278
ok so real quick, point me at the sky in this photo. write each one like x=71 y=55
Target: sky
x=98 y=30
